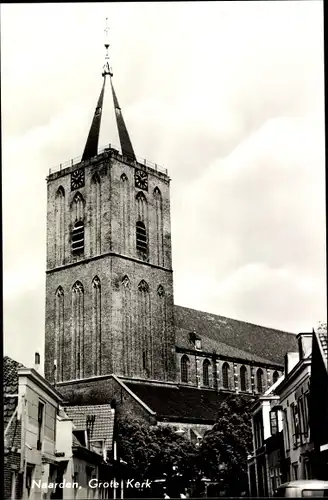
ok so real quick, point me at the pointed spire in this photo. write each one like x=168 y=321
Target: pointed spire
x=91 y=147
x=126 y=146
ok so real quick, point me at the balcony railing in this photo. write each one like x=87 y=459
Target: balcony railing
x=142 y=161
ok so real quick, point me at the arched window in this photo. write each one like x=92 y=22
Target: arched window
x=96 y=215
x=206 y=368
x=127 y=326
x=77 y=330
x=243 y=376
x=59 y=334
x=159 y=226
x=77 y=214
x=225 y=375
x=144 y=323
x=142 y=226
x=125 y=213
x=60 y=225
x=141 y=240
x=259 y=380
x=275 y=377
x=162 y=328
x=185 y=365
x=96 y=323
x=78 y=238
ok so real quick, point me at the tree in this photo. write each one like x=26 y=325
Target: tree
x=153 y=452
x=224 y=449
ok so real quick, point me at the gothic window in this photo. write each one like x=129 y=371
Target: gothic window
x=78 y=238
x=126 y=325
x=206 y=368
x=162 y=323
x=124 y=195
x=60 y=225
x=243 y=378
x=77 y=213
x=142 y=226
x=225 y=375
x=96 y=324
x=185 y=367
x=96 y=214
x=77 y=330
x=275 y=377
x=144 y=333
x=141 y=240
x=159 y=226
x=59 y=333
x=259 y=380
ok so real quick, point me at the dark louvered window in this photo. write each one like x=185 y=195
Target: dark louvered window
x=141 y=240
x=275 y=377
x=185 y=369
x=225 y=375
x=206 y=377
x=78 y=238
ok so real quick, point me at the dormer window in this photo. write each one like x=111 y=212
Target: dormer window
x=198 y=344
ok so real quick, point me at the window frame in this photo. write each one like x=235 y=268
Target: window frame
x=41 y=419
x=184 y=369
x=77 y=245
x=226 y=375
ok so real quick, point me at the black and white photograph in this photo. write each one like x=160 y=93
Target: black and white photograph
x=164 y=250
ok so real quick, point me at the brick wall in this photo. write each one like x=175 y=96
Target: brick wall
x=110 y=270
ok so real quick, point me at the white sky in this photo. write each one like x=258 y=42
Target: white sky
x=228 y=96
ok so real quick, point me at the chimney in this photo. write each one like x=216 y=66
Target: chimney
x=37 y=361
x=304 y=344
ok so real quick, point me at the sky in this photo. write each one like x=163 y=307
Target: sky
x=228 y=96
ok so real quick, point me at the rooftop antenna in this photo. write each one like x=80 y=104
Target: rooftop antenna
x=107 y=70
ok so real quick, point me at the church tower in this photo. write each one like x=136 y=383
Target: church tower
x=109 y=280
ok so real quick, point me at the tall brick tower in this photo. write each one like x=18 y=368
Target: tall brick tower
x=109 y=282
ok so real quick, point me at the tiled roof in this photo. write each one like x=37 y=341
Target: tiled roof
x=103 y=428
x=10 y=386
x=178 y=403
x=209 y=345
x=266 y=343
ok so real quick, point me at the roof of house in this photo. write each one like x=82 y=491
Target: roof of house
x=103 y=427
x=10 y=386
x=267 y=343
x=322 y=337
x=209 y=345
x=179 y=403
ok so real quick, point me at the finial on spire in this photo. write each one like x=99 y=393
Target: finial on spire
x=107 y=70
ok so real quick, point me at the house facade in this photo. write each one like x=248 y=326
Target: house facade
x=52 y=452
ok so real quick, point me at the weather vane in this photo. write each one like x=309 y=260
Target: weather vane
x=107 y=70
